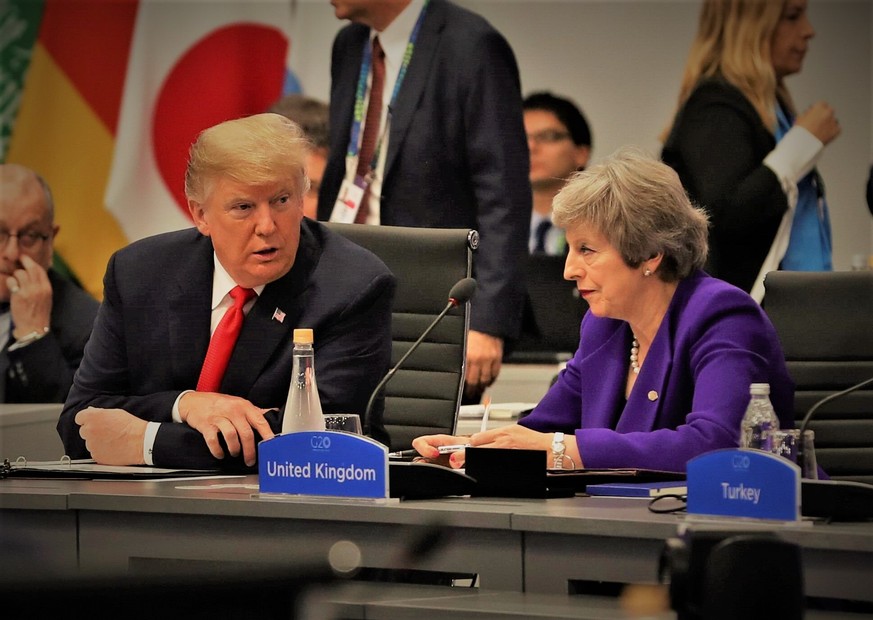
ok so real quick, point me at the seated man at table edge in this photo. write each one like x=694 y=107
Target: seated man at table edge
x=45 y=319
x=136 y=398
x=666 y=352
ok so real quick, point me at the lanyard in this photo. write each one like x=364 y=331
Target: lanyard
x=354 y=145
x=784 y=122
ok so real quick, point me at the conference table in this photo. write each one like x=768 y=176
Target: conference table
x=519 y=552
x=29 y=430
x=538 y=546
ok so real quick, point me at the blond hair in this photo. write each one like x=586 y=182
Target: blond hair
x=733 y=41
x=254 y=150
x=638 y=203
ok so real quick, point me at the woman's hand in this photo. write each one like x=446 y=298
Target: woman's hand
x=512 y=436
x=820 y=120
x=428 y=447
x=520 y=437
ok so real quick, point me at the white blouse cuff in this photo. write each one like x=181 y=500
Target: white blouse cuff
x=794 y=156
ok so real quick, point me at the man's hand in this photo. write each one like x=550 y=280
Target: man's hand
x=31 y=298
x=236 y=419
x=484 y=356
x=112 y=436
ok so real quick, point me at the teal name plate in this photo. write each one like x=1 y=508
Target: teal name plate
x=744 y=483
x=323 y=463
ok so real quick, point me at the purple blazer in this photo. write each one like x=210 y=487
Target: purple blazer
x=692 y=390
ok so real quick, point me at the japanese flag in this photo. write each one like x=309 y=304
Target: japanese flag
x=192 y=64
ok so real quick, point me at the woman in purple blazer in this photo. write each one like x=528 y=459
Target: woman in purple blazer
x=666 y=352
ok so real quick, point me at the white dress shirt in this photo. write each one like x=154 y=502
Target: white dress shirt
x=393 y=41
x=222 y=284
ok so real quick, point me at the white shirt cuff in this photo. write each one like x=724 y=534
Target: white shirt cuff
x=794 y=156
x=148 y=442
x=177 y=417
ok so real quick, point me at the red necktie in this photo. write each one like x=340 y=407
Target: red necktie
x=223 y=340
x=371 y=125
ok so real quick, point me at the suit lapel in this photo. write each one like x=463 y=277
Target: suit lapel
x=263 y=334
x=346 y=70
x=416 y=79
x=189 y=300
x=650 y=388
x=603 y=380
x=649 y=396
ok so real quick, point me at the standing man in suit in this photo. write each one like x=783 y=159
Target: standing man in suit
x=146 y=391
x=45 y=319
x=446 y=146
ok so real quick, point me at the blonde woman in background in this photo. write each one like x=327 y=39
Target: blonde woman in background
x=742 y=151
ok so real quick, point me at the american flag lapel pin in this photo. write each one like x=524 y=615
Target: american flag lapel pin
x=278 y=315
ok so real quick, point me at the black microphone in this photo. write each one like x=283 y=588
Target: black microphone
x=461 y=293
x=801 y=456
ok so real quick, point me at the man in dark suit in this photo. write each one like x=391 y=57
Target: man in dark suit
x=45 y=319
x=134 y=400
x=450 y=151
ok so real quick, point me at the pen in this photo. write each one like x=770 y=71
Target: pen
x=452 y=448
x=485 y=414
x=403 y=454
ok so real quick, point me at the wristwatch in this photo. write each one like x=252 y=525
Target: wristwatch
x=558 y=449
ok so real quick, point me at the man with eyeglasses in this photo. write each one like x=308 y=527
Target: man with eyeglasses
x=45 y=320
x=560 y=144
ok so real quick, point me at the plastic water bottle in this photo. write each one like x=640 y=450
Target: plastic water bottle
x=303 y=407
x=759 y=420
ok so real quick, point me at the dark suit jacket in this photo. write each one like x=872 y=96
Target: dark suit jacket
x=42 y=372
x=152 y=333
x=692 y=390
x=457 y=155
x=717 y=146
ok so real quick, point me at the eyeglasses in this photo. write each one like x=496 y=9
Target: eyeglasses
x=26 y=240
x=547 y=136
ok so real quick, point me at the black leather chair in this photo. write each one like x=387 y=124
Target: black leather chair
x=825 y=323
x=424 y=396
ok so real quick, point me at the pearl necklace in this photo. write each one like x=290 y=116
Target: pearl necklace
x=634 y=356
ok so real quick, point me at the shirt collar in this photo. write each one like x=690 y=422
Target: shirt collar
x=396 y=35
x=222 y=283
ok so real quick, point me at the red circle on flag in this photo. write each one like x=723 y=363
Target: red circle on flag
x=234 y=71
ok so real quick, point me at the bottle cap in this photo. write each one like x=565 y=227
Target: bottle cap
x=303 y=336
x=759 y=388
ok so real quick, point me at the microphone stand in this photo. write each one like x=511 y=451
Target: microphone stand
x=801 y=455
x=460 y=293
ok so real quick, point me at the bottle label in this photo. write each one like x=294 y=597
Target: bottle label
x=759 y=437
x=323 y=463
x=744 y=483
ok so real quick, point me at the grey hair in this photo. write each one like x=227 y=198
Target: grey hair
x=639 y=205
x=23 y=179
x=49 y=199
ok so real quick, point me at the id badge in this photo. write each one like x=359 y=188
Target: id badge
x=348 y=201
